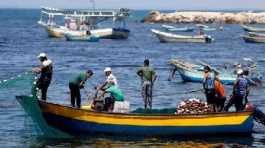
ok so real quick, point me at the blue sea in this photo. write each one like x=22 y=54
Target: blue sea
x=21 y=40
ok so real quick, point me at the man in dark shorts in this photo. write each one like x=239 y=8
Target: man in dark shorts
x=148 y=77
x=45 y=70
x=76 y=84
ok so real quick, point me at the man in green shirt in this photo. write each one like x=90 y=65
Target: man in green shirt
x=115 y=94
x=76 y=84
x=148 y=77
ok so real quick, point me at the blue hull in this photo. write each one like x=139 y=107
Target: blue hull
x=76 y=127
x=200 y=80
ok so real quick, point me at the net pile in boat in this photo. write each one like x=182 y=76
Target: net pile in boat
x=192 y=106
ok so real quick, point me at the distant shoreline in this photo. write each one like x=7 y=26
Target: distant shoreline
x=139 y=9
x=222 y=17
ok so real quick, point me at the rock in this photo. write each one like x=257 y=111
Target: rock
x=205 y=17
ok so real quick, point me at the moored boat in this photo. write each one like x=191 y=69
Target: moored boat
x=85 y=20
x=255 y=34
x=85 y=122
x=205 y=27
x=175 y=29
x=165 y=37
x=194 y=73
x=253 y=39
x=252 y=29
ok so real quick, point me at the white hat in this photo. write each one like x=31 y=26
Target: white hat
x=107 y=69
x=239 y=71
x=42 y=55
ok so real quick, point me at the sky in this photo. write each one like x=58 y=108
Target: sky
x=140 y=4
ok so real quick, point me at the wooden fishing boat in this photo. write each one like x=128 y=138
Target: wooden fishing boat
x=166 y=37
x=175 y=29
x=195 y=75
x=83 y=122
x=252 y=29
x=88 y=21
x=253 y=39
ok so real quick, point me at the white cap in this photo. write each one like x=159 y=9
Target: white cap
x=107 y=69
x=42 y=55
x=239 y=71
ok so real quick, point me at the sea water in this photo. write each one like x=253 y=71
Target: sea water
x=21 y=40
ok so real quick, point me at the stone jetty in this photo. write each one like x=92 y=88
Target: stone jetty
x=206 y=17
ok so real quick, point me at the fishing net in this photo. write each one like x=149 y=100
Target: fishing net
x=31 y=107
x=24 y=87
x=18 y=85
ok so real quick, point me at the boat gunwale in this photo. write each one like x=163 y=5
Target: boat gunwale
x=149 y=116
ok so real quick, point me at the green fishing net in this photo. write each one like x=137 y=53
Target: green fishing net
x=18 y=85
x=23 y=86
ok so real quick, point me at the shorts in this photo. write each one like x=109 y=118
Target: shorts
x=146 y=89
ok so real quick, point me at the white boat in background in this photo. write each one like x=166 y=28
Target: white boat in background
x=78 y=22
x=255 y=34
x=175 y=29
x=205 y=27
x=253 y=39
x=252 y=29
x=165 y=37
x=104 y=33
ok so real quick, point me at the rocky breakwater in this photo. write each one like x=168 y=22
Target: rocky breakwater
x=206 y=17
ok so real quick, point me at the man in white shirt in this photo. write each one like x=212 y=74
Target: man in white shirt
x=111 y=79
x=45 y=70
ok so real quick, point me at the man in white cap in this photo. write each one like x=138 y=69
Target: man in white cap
x=240 y=91
x=45 y=70
x=111 y=79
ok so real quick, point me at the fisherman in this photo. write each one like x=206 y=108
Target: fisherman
x=111 y=79
x=45 y=70
x=115 y=94
x=209 y=87
x=76 y=84
x=250 y=82
x=240 y=91
x=148 y=77
x=220 y=94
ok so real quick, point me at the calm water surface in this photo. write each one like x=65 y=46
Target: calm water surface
x=21 y=39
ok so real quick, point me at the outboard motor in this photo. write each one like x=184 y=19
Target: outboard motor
x=258 y=115
x=208 y=39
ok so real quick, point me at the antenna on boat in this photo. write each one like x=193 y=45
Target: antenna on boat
x=93 y=3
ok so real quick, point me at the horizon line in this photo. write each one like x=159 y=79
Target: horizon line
x=152 y=9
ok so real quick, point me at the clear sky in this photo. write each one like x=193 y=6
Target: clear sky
x=139 y=4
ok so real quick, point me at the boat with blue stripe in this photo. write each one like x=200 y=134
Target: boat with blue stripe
x=85 y=121
x=195 y=73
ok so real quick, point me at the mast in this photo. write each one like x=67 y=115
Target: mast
x=93 y=3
